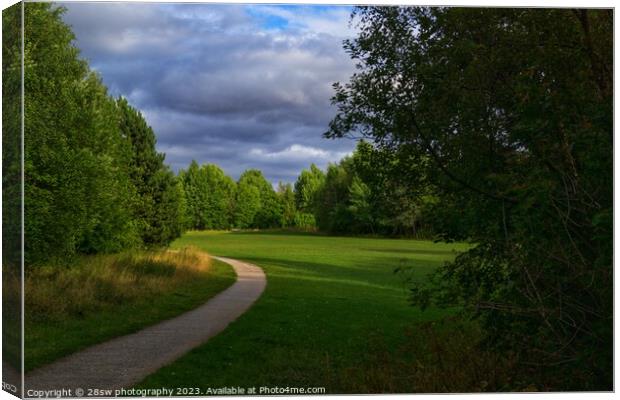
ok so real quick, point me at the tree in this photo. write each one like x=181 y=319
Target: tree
x=78 y=193
x=247 y=204
x=269 y=212
x=332 y=200
x=184 y=220
x=360 y=206
x=305 y=221
x=167 y=223
x=11 y=139
x=513 y=109
x=307 y=186
x=95 y=182
x=196 y=190
x=156 y=209
x=400 y=196
x=219 y=198
x=286 y=197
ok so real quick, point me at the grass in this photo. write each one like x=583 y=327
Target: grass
x=100 y=297
x=11 y=315
x=334 y=315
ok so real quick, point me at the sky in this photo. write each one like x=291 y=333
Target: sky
x=241 y=86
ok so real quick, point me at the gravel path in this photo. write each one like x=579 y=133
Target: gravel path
x=126 y=360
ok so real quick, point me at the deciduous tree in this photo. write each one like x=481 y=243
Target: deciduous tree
x=513 y=108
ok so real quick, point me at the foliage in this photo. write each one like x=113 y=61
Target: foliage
x=168 y=218
x=11 y=184
x=400 y=196
x=195 y=189
x=95 y=183
x=513 y=109
x=305 y=221
x=156 y=209
x=374 y=191
x=210 y=196
x=360 y=206
x=247 y=204
x=220 y=198
x=11 y=136
x=78 y=193
x=286 y=197
x=264 y=212
x=332 y=213
x=307 y=186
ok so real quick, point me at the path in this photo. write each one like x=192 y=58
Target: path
x=126 y=360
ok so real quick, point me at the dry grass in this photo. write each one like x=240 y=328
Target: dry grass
x=96 y=283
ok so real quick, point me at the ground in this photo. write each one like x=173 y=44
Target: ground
x=328 y=301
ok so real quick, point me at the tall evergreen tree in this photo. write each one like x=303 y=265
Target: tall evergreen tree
x=156 y=209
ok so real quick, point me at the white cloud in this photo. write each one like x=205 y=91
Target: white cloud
x=299 y=152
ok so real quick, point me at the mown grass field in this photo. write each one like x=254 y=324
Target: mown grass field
x=332 y=306
x=101 y=297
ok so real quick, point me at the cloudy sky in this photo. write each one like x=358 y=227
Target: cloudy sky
x=241 y=86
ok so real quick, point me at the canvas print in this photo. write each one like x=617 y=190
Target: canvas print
x=297 y=199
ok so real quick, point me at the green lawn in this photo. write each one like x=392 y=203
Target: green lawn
x=48 y=340
x=328 y=301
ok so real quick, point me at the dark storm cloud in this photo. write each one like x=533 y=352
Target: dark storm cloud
x=240 y=86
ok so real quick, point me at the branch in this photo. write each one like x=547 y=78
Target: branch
x=452 y=176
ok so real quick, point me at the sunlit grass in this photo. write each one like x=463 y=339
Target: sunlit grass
x=327 y=301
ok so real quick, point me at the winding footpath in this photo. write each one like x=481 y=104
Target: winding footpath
x=124 y=361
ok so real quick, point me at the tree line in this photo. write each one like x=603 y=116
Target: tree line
x=357 y=195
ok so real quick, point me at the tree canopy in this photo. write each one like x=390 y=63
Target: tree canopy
x=95 y=182
x=511 y=109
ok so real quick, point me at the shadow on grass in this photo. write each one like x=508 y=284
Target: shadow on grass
x=444 y=253
x=284 y=232
x=276 y=232
x=324 y=273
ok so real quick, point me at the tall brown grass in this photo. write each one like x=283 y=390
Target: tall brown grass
x=94 y=283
